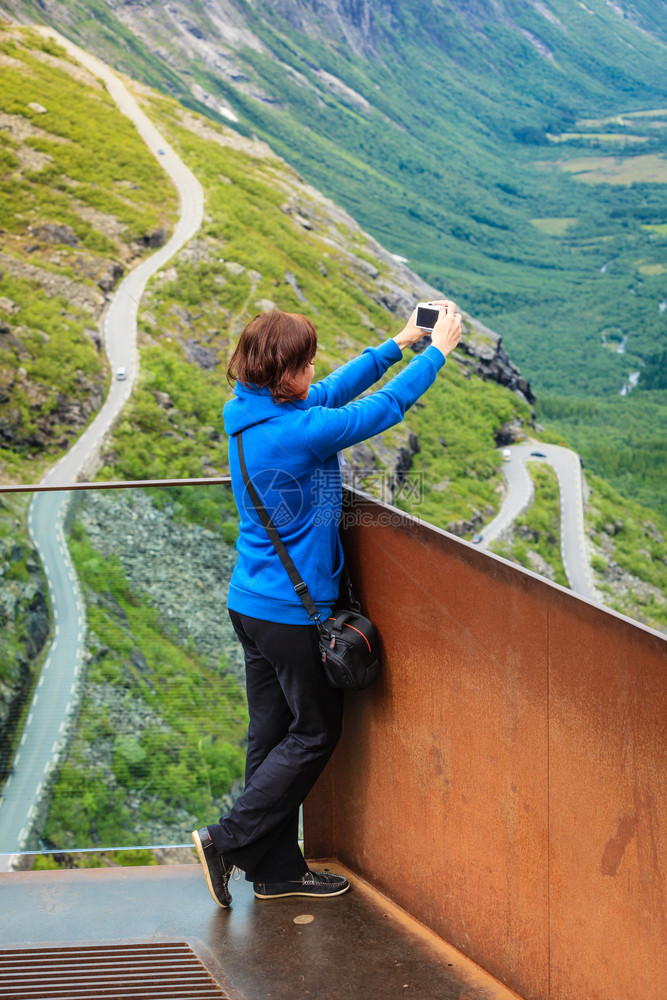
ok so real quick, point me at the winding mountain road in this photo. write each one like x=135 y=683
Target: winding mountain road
x=567 y=467
x=55 y=696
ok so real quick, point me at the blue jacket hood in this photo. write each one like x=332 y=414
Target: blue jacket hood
x=253 y=405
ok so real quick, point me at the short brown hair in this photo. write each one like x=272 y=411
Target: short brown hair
x=272 y=351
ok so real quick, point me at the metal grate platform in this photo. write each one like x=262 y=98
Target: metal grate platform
x=161 y=971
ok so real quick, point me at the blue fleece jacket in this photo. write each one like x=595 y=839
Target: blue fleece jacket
x=291 y=453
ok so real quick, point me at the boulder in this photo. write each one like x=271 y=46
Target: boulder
x=55 y=232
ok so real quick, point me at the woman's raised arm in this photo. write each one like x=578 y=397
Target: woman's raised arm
x=354 y=377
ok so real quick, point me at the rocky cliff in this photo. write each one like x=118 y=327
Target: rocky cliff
x=181 y=568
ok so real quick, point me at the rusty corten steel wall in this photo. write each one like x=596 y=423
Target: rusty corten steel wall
x=505 y=780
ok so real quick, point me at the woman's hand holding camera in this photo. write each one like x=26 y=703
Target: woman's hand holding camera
x=446 y=332
x=410 y=333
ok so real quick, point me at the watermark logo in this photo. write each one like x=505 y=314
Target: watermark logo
x=391 y=488
x=285 y=499
x=281 y=495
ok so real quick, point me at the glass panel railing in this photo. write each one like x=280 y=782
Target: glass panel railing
x=122 y=705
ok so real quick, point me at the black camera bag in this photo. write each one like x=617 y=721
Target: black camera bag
x=349 y=648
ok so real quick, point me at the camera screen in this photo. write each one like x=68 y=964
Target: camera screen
x=426 y=318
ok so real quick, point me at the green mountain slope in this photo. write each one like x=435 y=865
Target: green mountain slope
x=137 y=765
x=81 y=199
x=268 y=238
x=514 y=152
x=82 y=195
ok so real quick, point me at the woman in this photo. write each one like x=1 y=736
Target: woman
x=292 y=434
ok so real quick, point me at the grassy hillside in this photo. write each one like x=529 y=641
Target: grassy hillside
x=514 y=153
x=628 y=555
x=80 y=200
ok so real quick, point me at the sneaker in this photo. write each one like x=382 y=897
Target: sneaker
x=311 y=884
x=216 y=872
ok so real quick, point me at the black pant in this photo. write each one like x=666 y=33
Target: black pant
x=295 y=723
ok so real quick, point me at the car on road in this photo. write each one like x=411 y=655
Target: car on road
x=507 y=454
x=121 y=373
x=477 y=539
x=537 y=454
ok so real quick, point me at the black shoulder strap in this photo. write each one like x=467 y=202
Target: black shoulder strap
x=284 y=556
x=353 y=603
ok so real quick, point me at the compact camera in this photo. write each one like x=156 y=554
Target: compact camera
x=427 y=316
